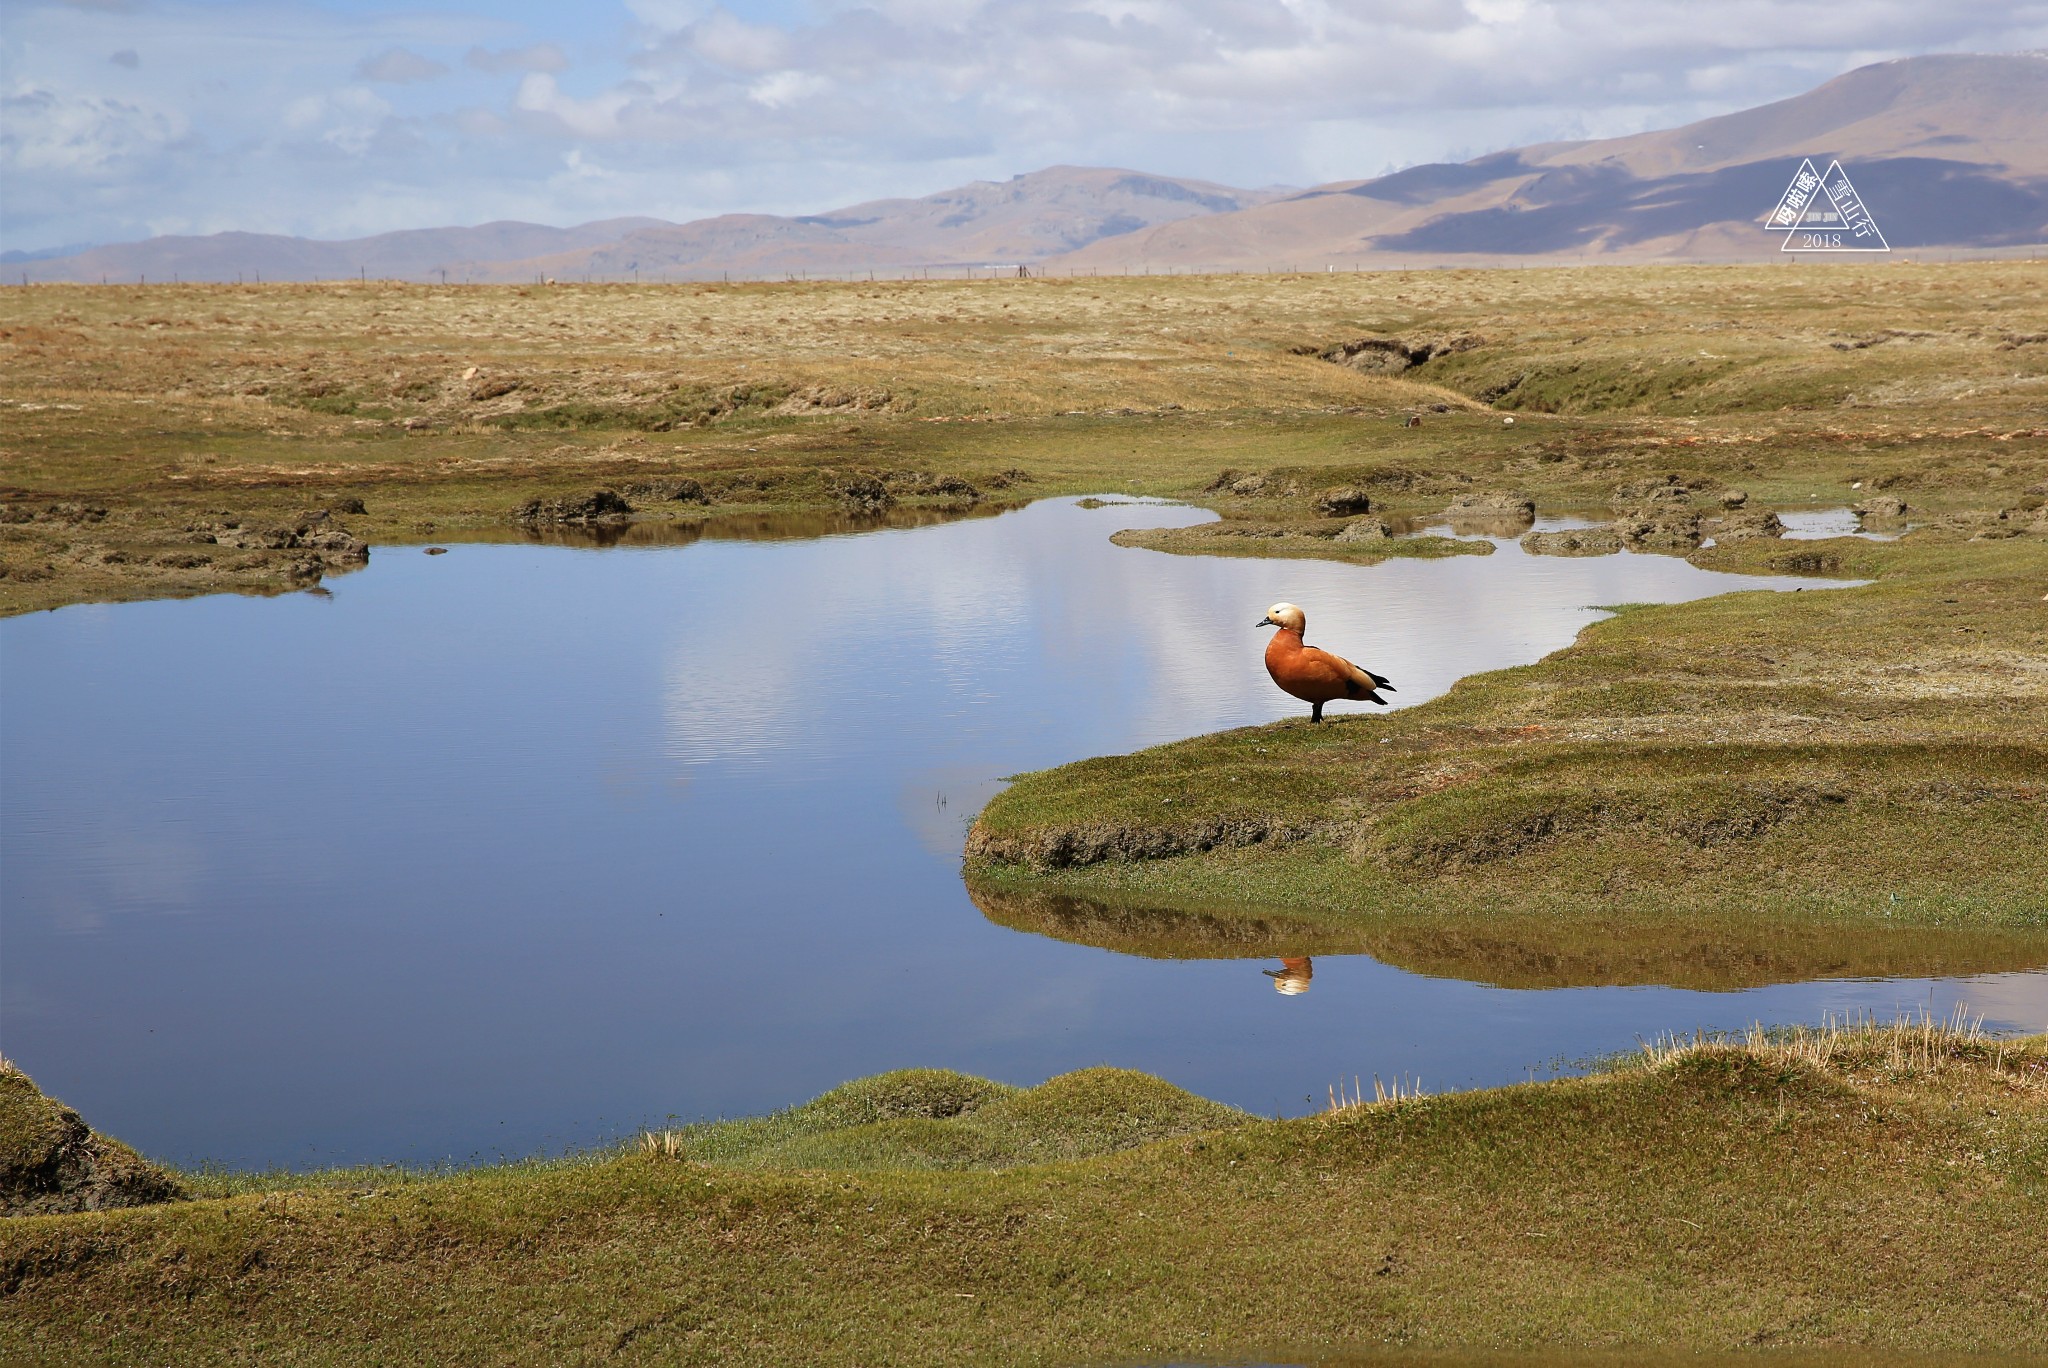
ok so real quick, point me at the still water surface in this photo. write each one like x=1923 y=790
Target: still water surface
x=520 y=847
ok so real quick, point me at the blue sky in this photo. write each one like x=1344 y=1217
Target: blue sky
x=336 y=118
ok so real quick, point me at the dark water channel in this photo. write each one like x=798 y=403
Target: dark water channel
x=520 y=847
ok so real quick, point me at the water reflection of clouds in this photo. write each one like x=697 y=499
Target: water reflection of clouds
x=1425 y=623
x=939 y=803
x=786 y=652
x=1037 y=610
x=1815 y=524
x=2010 y=1002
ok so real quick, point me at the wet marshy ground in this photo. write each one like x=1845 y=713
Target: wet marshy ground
x=525 y=845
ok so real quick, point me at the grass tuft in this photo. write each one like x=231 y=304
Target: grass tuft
x=1905 y=1049
x=1402 y=1089
x=664 y=1144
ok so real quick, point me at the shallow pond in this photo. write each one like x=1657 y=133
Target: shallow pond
x=520 y=847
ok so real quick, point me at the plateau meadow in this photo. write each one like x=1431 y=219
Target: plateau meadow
x=1852 y=780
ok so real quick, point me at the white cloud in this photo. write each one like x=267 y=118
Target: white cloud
x=786 y=88
x=727 y=41
x=59 y=134
x=598 y=117
x=253 y=113
x=1098 y=71
x=348 y=120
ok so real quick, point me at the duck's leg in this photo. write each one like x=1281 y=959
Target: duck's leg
x=1317 y=715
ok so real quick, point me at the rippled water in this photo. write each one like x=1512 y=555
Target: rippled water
x=522 y=846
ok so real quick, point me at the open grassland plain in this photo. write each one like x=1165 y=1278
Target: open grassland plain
x=1850 y=780
x=1866 y=1190
x=173 y=440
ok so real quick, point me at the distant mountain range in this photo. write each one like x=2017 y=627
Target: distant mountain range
x=1946 y=152
x=1028 y=218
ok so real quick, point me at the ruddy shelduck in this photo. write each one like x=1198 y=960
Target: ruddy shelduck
x=1312 y=675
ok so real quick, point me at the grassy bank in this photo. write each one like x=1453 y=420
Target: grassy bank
x=1872 y=756
x=1874 y=1188
x=173 y=440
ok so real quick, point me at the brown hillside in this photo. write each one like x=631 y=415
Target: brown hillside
x=1948 y=151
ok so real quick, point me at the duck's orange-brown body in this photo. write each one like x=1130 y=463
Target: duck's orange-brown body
x=1316 y=676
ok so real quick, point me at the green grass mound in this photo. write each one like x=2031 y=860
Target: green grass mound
x=1671 y=800
x=1873 y=753
x=51 y=1161
x=937 y=1119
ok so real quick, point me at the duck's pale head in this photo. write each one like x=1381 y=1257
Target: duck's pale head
x=1285 y=616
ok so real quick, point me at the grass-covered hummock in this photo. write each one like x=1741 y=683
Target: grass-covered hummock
x=932 y=1118
x=1875 y=1190
x=52 y=1161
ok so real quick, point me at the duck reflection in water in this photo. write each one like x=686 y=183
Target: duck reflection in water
x=1293 y=974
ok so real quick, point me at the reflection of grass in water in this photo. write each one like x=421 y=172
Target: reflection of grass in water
x=1551 y=949
x=767 y=526
x=1677 y=1201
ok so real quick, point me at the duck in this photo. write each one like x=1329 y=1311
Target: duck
x=1313 y=675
